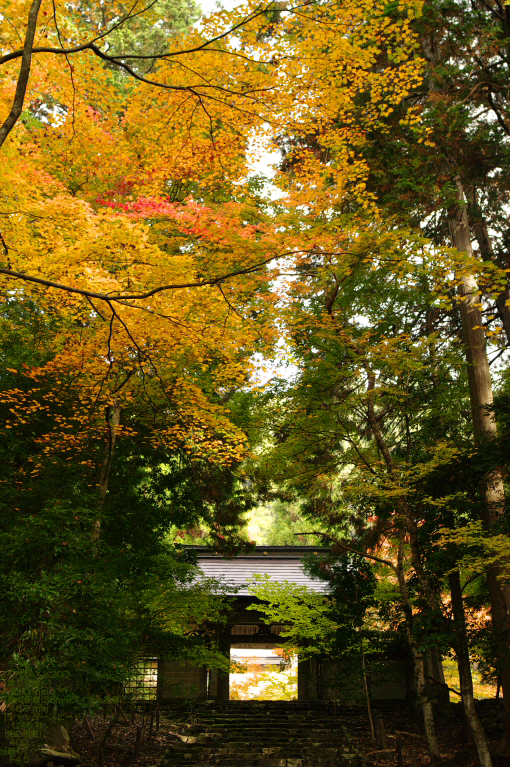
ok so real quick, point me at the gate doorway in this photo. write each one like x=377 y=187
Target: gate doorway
x=262 y=672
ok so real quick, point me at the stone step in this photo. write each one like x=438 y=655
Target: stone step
x=326 y=726
x=264 y=715
x=284 y=749
x=264 y=734
x=251 y=745
x=258 y=722
x=271 y=738
x=248 y=747
x=254 y=732
x=246 y=743
x=254 y=724
x=343 y=760
x=224 y=756
x=340 y=758
x=259 y=743
x=253 y=736
x=207 y=712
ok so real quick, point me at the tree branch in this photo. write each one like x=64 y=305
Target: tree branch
x=138 y=296
x=90 y=44
x=351 y=549
x=497 y=112
x=24 y=73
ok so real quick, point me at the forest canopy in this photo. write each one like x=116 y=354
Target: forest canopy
x=146 y=270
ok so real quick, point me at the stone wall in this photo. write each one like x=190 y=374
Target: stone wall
x=317 y=680
x=387 y=680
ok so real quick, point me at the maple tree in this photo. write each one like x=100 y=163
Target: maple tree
x=130 y=250
x=77 y=612
x=131 y=224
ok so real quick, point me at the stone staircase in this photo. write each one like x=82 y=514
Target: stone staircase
x=265 y=734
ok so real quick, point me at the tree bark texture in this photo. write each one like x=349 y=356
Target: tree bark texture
x=487 y=253
x=24 y=73
x=461 y=648
x=418 y=661
x=480 y=382
x=113 y=423
x=484 y=426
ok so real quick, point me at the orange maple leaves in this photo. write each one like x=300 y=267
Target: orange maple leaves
x=119 y=189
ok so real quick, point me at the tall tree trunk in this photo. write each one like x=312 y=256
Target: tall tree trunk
x=466 y=680
x=403 y=525
x=418 y=661
x=479 y=377
x=113 y=422
x=403 y=511
x=484 y=426
x=484 y=241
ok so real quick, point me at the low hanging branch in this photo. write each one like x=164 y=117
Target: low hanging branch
x=213 y=281
x=345 y=546
x=119 y=60
x=123 y=298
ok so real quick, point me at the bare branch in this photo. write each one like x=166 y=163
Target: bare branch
x=202 y=47
x=95 y=309
x=497 y=112
x=140 y=296
x=76 y=49
x=6 y=250
x=117 y=61
x=24 y=73
x=351 y=549
x=73 y=110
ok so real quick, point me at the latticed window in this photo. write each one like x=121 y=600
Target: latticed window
x=246 y=629
x=144 y=683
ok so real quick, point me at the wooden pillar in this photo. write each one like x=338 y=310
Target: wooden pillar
x=160 y=683
x=203 y=682
x=222 y=682
x=307 y=680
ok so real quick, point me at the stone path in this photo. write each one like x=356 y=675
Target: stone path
x=265 y=734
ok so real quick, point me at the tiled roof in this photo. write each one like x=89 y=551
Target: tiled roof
x=281 y=563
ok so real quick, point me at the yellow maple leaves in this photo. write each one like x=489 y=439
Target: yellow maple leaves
x=122 y=197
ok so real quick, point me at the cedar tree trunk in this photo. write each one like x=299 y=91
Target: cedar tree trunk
x=484 y=426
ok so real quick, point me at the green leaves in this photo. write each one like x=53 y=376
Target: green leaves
x=478 y=550
x=307 y=613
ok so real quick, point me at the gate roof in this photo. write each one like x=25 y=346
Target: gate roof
x=281 y=563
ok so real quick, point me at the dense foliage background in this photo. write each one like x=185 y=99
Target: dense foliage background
x=148 y=272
